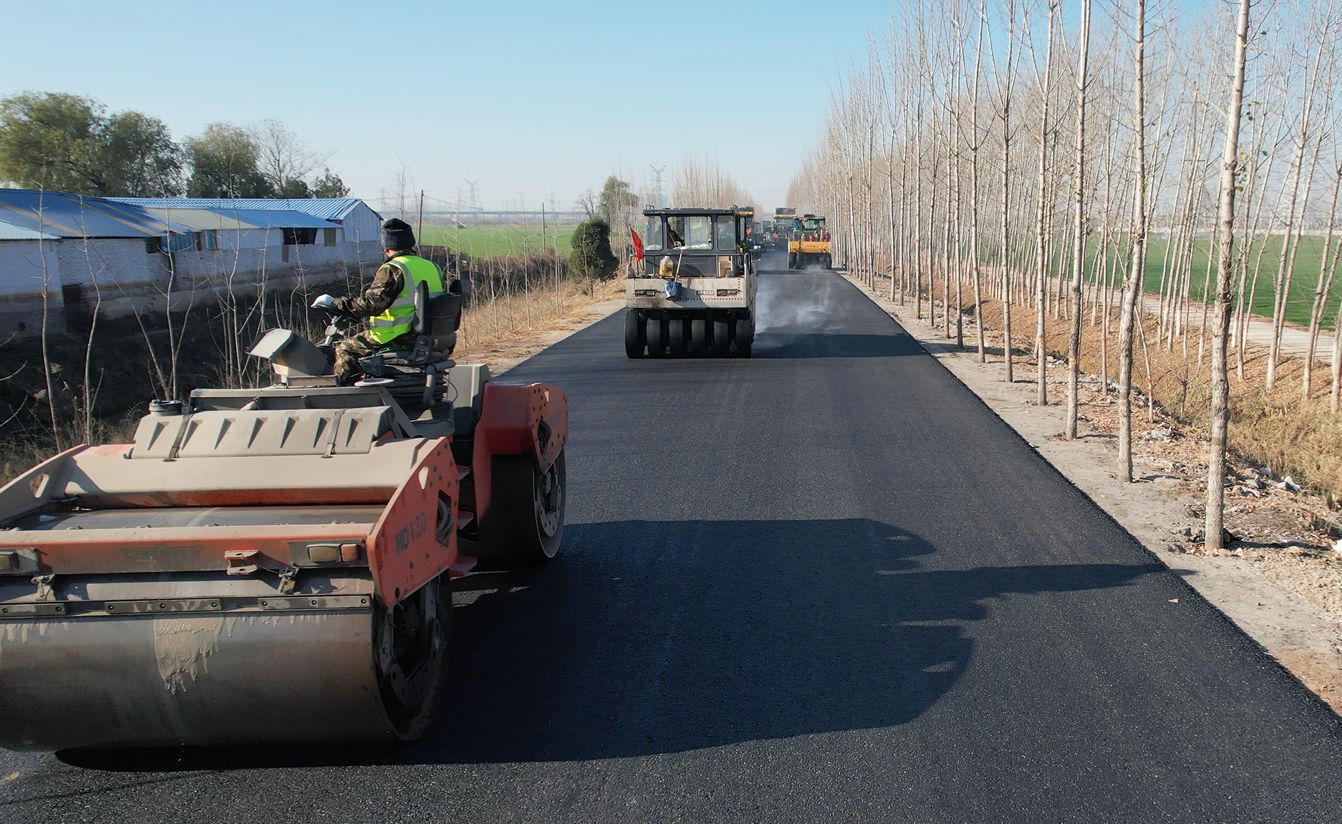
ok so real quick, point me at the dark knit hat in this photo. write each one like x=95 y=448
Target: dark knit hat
x=397 y=234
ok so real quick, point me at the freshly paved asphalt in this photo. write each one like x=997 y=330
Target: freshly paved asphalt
x=824 y=584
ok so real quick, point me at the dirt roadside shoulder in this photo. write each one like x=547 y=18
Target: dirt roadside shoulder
x=1301 y=636
x=504 y=354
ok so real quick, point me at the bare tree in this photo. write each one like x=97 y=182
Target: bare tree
x=975 y=232
x=1078 y=225
x=1005 y=92
x=284 y=158
x=1220 y=411
x=1135 y=287
x=699 y=182
x=1041 y=239
x=1323 y=287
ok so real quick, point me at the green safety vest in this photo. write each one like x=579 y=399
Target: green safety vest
x=394 y=322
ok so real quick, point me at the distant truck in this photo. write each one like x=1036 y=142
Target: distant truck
x=809 y=243
x=693 y=292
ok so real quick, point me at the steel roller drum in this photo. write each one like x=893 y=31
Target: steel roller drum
x=252 y=671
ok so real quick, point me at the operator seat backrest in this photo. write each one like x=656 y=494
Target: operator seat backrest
x=438 y=317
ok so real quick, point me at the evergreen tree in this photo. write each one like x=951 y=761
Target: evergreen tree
x=224 y=164
x=591 y=257
x=67 y=143
x=329 y=185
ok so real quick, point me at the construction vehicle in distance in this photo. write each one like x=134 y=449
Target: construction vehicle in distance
x=767 y=234
x=273 y=564
x=694 y=292
x=750 y=232
x=782 y=226
x=808 y=243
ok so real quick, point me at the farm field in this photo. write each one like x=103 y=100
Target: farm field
x=1264 y=256
x=498 y=240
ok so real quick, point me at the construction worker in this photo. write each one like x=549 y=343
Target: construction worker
x=388 y=304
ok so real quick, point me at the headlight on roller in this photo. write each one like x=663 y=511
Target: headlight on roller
x=722 y=293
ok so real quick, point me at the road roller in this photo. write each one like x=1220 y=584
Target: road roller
x=691 y=291
x=272 y=564
x=809 y=244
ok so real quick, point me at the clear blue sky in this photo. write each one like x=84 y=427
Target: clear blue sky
x=539 y=98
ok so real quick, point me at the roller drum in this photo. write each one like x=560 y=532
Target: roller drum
x=216 y=678
x=199 y=680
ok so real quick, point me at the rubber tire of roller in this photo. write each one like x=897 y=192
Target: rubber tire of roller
x=827 y=262
x=743 y=337
x=411 y=720
x=722 y=337
x=635 y=337
x=699 y=337
x=516 y=532
x=655 y=333
x=677 y=340
x=792 y=260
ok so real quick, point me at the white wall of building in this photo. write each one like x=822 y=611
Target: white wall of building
x=21 y=270
x=362 y=225
x=21 y=280
x=121 y=276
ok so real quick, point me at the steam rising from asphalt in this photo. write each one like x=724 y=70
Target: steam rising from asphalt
x=776 y=313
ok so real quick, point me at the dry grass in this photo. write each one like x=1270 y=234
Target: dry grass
x=1279 y=430
x=489 y=323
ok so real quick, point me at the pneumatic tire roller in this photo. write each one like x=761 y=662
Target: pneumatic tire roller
x=270 y=565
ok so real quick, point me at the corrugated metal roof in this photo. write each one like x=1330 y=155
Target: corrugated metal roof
x=240 y=219
x=198 y=219
x=28 y=212
x=278 y=219
x=10 y=232
x=325 y=208
x=74 y=216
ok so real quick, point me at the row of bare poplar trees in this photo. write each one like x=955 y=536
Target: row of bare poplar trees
x=698 y=182
x=1046 y=153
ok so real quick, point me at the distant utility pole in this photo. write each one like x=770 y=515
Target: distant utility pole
x=657 y=176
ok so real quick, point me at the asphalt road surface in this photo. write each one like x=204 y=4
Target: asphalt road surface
x=825 y=584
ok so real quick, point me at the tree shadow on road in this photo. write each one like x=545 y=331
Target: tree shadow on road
x=663 y=637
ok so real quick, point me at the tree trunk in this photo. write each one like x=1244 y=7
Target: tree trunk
x=1078 y=227
x=1321 y=290
x=1133 y=289
x=1041 y=241
x=1007 y=360
x=1220 y=417
x=975 y=243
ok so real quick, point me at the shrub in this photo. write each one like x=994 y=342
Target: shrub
x=591 y=258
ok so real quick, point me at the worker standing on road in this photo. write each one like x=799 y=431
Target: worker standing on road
x=388 y=304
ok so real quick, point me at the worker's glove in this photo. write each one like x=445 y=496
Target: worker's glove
x=324 y=302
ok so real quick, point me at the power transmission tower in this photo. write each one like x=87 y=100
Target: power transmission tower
x=657 y=174
x=474 y=204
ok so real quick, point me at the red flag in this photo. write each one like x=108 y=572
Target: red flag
x=638 y=245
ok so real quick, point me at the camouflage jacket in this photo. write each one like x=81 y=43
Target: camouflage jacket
x=380 y=294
